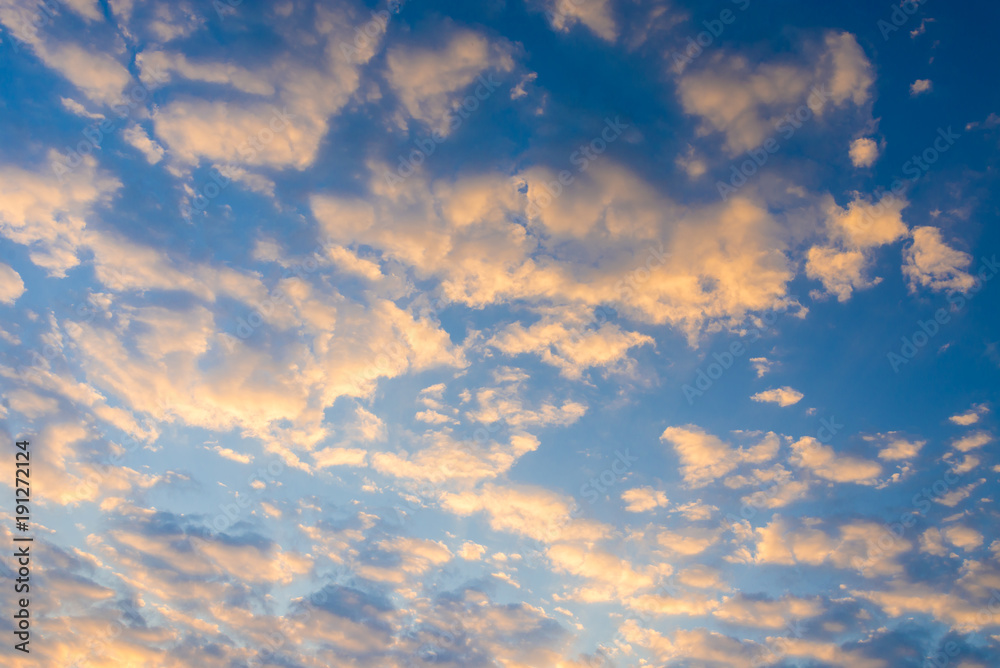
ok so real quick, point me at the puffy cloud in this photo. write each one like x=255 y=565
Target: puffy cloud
x=429 y=81
x=607 y=576
x=863 y=224
x=860 y=545
x=11 y=285
x=287 y=115
x=643 y=499
x=864 y=152
x=596 y=15
x=971 y=416
x=766 y=613
x=506 y=403
x=761 y=365
x=699 y=646
x=825 y=652
x=530 y=511
x=705 y=458
x=98 y=75
x=445 y=459
x=920 y=86
x=824 y=461
x=963 y=537
x=854 y=230
x=471 y=551
x=972 y=441
x=49 y=214
x=747 y=102
x=783 y=396
x=727 y=259
x=840 y=271
x=895 y=447
x=931 y=263
x=570 y=349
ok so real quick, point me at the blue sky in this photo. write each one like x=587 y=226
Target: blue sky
x=565 y=333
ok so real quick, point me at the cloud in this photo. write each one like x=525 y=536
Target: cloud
x=783 y=396
x=49 y=215
x=971 y=416
x=608 y=577
x=761 y=365
x=864 y=152
x=931 y=263
x=428 y=81
x=446 y=460
x=596 y=15
x=854 y=231
x=228 y=453
x=472 y=551
x=823 y=460
x=705 y=458
x=972 y=441
x=76 y=108
x=747 y=102
x=530 y=511
x=727 y=261
x=767 y=613
x=138 y=138
x=860 y=545
x=643 y=499
x=840 y=272
x=895 y=447
x=920 y=86
x=11 y=285
x=289 y=104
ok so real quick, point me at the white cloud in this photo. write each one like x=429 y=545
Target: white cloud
x=971 y=416
x=853 y=232
x=138 y=138
x=931 y=263
x=920 y=86
x=895 y=447
x=78 y=109
x=824 y=461
x=11 y=285
x=429 y=82
x=642 y=499
x=596 y=15
x=705 y=458
x=228 y=453
x=746 y=102
x=761 y=365
x=98 y=75
x=972 y=441
x=783 y=396
x=864 y=152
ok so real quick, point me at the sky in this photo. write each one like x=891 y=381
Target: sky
x=516 y=333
